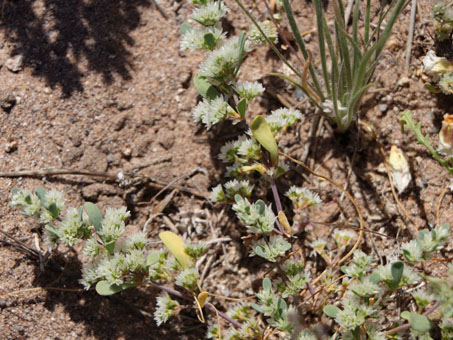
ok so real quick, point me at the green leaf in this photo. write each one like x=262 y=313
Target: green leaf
x=242 y=106
x=282 y=307
x=28 y=199
x=241 y=43
x=175 y=244
x=185 y=27
x=267 y=284
x=205 y=88
x=257 y=308
x=110 y=247
x=331 y=310
x=14 y=191
x=262 y=132
x=431 y=88
x=375 y=278
x=152 y=259
x=95 y=215
x=397 y=273
x=52 y=208
x=419 y=323
x=209 y=39
x=238 y=198
x=41 y=193
x=261 y=206
x=105 y=288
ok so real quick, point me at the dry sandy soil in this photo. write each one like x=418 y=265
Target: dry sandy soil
x=103 y=87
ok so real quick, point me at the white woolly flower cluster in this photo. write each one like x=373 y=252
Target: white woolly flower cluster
x=282 y=118
x=354 y=313
x=195 y=39
x=113 y=225
x=42 y=204
x=272 y=249
x=210 y=112
x=258 y=217
x=343 y=237
x=209 y=14
x=75 y=225
x=249 y=90
x=409 y=277
x=269 y=30
x=428 y=242
x=222 y=62
x=232 y=188
x=302 y=197
x=166 y=307
x=359 y=265
x=188 y=278
x=246 y=147
x=435 y=66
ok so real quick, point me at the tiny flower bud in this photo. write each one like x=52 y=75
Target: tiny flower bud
x=399 y=168
x=446 y=136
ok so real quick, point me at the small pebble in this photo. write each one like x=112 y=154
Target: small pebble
x=11 y=146
x=383 y=107
x=15 y=63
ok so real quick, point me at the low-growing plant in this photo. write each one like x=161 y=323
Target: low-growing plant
x=443 y=19
x=348 y=58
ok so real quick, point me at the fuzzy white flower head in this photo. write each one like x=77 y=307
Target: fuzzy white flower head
x=30 y=202
x=56 y=197
x=344 y=237
x=435 y=65
x=302 y=197
x=166 y=307
x=269 y=30
x=89 y=275
x=72 y=227
x=318 y=246
x=211 y=13
x=210 y=112
x=135 y=260
x=446 y=136
x=194 y=39
x=249 y=148
x=399 y=169
x=188 y=278
x=112 y=269
x=271 y=250
x=91 y=248
x=137 y=240
x=217 y=194
x=283 y=118
x=249 y=90
x=222 y=62
x=243 y=188
x=113 y=225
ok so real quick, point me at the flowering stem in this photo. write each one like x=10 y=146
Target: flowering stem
x=188 y=298
x=278 y=203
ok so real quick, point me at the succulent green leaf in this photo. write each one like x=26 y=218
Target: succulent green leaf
x=261 y=206
x=418 y=322
x=267 y=284
x=110 y=247
x=262 y=132
x=257 y=308
x=397 y=273
x=41 y=193
x=94 y=214
x=105 y=288
x=205 y=88
x=52 y=208
x=375 y=278
x=209 y=39
x=186 y=27
x=331 y=310
x=242 y=107
x=152 y=259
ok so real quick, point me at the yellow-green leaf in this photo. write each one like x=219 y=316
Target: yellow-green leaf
x=284 y=222
x=262 y=132
x=175 y=245
x=202 y=298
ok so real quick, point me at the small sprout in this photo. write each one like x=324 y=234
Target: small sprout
x=399 y=169
x=166 y=307
x=209 y=14
x=269 y=29
x=446 y=136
